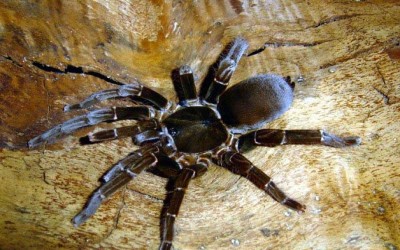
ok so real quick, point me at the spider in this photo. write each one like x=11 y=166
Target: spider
x=180 y=140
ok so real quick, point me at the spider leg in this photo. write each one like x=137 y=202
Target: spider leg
x=181 y=184
x=185 y=87
x=225 y=70
x=119 y=175
x=92 y=118
x=275 y=137
x=128 y=90
x=238 y=164
x=121 y=132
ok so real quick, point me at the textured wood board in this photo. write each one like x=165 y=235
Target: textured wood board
x=58 y=52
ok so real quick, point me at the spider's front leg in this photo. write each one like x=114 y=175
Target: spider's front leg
x=184 y=86
x=238 y=164
x=129 y=90
x=275 y=137
x=225 y=70
x=136 y=132
x=181 y=183
x=118 y=176
x=92 y=118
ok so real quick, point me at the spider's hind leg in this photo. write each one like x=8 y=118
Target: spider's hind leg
x=182 y=180
x=119 y=175
x=275 y=137
x=238 y=164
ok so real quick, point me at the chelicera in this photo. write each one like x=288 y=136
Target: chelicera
x=181 y=140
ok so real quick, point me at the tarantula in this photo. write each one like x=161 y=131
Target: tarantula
x=181 y=140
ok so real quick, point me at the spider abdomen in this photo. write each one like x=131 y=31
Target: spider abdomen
x=196 y=129
x=255 y=101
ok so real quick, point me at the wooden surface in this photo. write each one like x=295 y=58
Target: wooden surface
x=58 y=52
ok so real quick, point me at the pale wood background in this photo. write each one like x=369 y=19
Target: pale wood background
x=347 y=51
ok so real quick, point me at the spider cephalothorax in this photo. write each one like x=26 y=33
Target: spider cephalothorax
x=181 y=140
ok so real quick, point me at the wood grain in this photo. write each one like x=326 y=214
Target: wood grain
x=57 y=52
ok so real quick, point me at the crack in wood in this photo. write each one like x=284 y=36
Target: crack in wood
x=386 y=98
x=333 y=19
x=10 y=59
x=45 y=180
x=44 y=176
x=117 y=217
x=346 y=58
x=381 y=75
x=285 y=44
x=71 y=69
x=148 y=196
x=376 y=47
x=350 y=56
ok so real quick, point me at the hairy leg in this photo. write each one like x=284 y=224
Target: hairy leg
x=118 y=176
x=185 y=87
x=121 y=132
x=275 y=137
x=181 y=184
x=238 y=164
x=128 y=90
x=225 y=70
x=92 y=118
